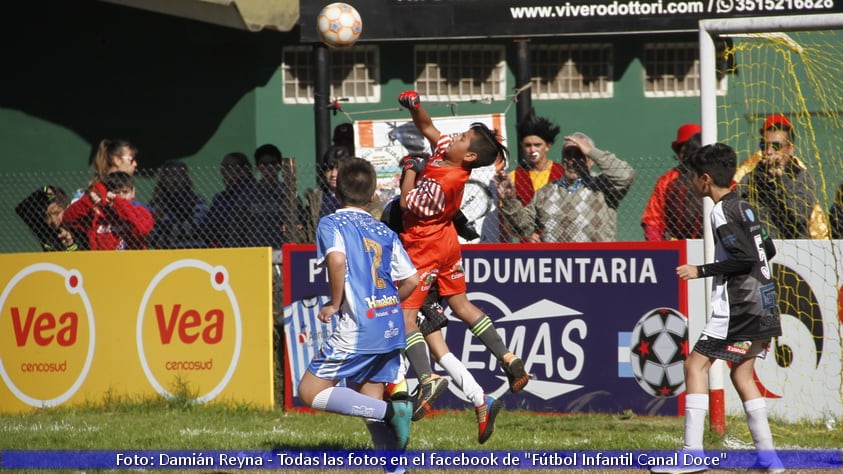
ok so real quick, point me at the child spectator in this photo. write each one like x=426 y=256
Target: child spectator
x=231 y=217
x=178 y=210
x=344 y=136
x=363 y=259
x=276 y=206
x=322 y=200
x=745 y=314
x=42 y=212
x=110 y=216
x=431 y=193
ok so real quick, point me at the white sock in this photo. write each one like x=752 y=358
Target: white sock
x=759 y=427
x=463 y=378
x=696 y=406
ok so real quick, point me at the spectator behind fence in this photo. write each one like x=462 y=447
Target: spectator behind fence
x=673 y=210
x=780 y=186
x=580 y=206
x=835 y=215
x=322 y=199
x=277 y=207
x=344 y=136
x=42 y=212
x=110 y=215
x=230 y=220
x=114 y=155
x=178 y=210
x=536 y=135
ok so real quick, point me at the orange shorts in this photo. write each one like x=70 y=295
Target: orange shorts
x=437 y=261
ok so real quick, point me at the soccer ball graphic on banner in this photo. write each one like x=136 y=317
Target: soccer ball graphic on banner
x=658 y=348
x=339 y=25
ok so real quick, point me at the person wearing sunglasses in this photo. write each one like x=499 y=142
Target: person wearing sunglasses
x=114 y=155
x=780 y=186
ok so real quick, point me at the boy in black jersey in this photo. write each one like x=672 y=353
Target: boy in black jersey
x=744 y=314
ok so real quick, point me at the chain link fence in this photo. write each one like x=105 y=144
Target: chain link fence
x=193 y=208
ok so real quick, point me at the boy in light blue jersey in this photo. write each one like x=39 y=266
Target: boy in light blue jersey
x=364 y=260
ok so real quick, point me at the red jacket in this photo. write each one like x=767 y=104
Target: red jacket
x=123 y=225
x=524 y=185
x=673 y=211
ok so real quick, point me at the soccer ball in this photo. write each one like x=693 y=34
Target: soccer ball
x=658 y=348
x=339 y=25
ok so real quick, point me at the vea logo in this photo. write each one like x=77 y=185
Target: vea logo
x=189 y=329
x=47 y=334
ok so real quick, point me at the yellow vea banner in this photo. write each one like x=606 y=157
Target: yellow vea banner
x=77 y=325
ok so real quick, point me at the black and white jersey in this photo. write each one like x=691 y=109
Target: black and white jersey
x=744 y=302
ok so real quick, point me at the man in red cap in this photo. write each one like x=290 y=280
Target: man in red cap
x=673 y=211
x=779 y=185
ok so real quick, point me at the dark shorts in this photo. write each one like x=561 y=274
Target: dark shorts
x=732 y=351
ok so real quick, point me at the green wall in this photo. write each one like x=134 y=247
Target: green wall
x=79 y=71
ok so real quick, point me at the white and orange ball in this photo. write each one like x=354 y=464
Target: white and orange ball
x=339 y=25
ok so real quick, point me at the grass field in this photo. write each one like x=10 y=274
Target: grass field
x=179 y=425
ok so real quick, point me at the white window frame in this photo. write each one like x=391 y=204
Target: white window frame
x=349 y=89
x=605 y=54
x=497 y=77
x=690 y=47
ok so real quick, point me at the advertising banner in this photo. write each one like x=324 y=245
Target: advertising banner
x=385 y=142
x=77 y=325
x=390 y=20
x=600 y=326
x=802 y=376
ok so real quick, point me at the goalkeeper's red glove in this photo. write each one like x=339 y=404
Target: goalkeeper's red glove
x=409 y=99
x=414 y=163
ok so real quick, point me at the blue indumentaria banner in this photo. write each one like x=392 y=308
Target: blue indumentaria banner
x=600 y=327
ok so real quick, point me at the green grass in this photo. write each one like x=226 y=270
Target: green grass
x=179 y=424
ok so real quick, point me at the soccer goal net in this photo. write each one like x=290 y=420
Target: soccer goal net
x=787 y=73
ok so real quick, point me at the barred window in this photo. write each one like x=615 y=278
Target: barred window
x=673 y=70
x=460 y=72
x=355 y=74
x=571 y=71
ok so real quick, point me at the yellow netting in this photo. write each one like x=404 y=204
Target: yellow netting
x=799 y=75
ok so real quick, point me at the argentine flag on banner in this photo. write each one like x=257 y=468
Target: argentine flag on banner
x=624 y=366
x=304 y=333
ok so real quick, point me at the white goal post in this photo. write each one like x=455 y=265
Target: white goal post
x=709 y=29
